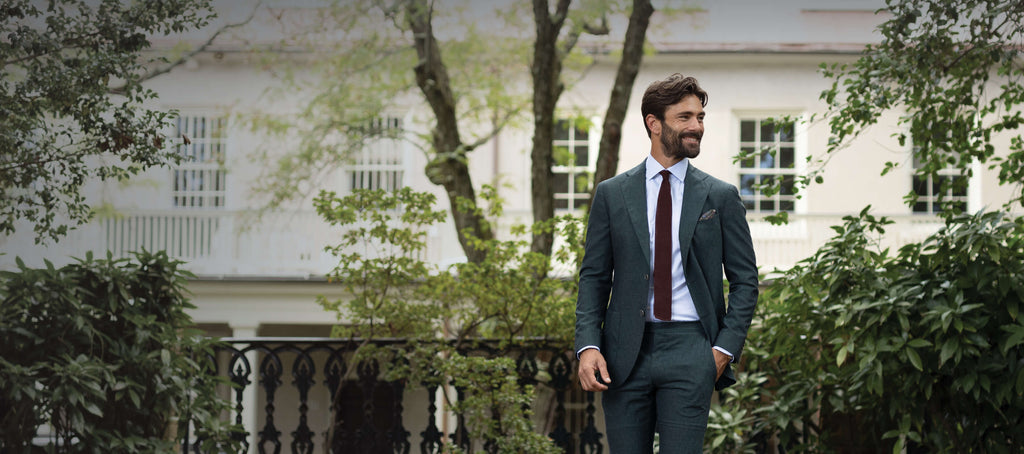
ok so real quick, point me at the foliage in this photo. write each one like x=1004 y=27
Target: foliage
x=922 y=349
x=343 y=98
x=102 y=350
x=512 y=294
x=72 y=102
x=733 y=424
x=447 y=76
x=496 y=408
x=954 y=68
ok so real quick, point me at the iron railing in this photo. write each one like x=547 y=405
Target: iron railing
x=297 y=395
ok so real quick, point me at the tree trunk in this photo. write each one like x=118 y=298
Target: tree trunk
x=547 y=88
x=629 y=66
x=448 y=164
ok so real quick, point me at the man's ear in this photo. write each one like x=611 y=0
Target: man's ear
x=653 y=124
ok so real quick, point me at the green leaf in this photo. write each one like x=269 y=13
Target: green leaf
x=92 y=408
x=948 y=349
x=919 y=343
x=914 y=358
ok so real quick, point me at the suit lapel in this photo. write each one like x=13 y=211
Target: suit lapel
x=695 y=192
x=635 y=198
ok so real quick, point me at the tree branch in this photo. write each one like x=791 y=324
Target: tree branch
x=184 y=58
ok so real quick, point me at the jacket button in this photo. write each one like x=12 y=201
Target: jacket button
x=647 y=277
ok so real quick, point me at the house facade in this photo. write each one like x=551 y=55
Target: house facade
x=259 y=275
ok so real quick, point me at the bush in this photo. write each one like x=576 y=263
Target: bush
x=922 y=350
x=102 y=351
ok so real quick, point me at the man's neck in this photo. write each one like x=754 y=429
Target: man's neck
x=665 y=161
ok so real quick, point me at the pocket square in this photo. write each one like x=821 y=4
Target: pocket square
x=708 y=214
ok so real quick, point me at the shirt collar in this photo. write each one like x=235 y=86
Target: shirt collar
x=679 y=169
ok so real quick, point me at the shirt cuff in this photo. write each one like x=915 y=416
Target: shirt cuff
x=730 y=355
x=588 y=348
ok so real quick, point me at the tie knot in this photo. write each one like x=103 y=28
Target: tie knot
x=665 y=174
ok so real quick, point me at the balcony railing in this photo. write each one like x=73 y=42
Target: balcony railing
x=296 y=395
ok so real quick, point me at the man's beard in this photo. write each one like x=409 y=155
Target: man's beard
x=675 y=148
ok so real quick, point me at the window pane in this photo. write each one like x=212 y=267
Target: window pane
x=787 y=158
x=582 y=183
x=581 y=133
x=560 y=154
x=581 y=202
x=959 y=186
x=767 y=205
x=937 y=185
x=582 y=155
x=561 y=182
x=747 y=131
x=788 y=183
x=561 y=204
x=562 y=130
x=747 y=184
x=767 y=158
x=920 y=186
x=767 y=131
x=786 y=205
x=748 y=204
x=749 y=162
x=786 y=132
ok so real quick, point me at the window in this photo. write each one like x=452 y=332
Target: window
x=575 y=157
x=770 y=150
x=380 y=164
x=200 y=180
x=947 y=188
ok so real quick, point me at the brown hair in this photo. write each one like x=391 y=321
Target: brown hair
x=663 y=93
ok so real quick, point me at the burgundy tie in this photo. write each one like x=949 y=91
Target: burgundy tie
x=663 y=251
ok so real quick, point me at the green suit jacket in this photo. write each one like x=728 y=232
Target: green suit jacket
x=615 y=273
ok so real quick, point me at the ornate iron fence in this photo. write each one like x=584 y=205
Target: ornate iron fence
x=327 y=408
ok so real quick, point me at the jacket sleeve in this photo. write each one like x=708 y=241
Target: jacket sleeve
x=740 y=267
x=595 y=273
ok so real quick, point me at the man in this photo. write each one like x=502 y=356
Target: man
x=665 y=338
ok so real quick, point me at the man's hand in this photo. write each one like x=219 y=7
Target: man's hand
x=721 y=361
x=592 y=363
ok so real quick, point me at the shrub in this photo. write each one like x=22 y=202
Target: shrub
x=102 y=351
x=922 y=350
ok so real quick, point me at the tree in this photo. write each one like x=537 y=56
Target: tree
x=549 y=53
x=463 y=82
x=955 y=69
x=72 y=101
x=611 y=131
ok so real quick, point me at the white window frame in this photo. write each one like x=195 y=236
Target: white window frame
x=972 y=198
x=799 y=143
x=200 y=181
x=573 y=171
x=381 y=162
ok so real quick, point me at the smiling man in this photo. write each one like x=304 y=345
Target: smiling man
x=653 y=331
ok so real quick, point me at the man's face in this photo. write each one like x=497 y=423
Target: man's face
x=682 y=129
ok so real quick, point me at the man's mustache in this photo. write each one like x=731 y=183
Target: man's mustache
x=694 y=135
